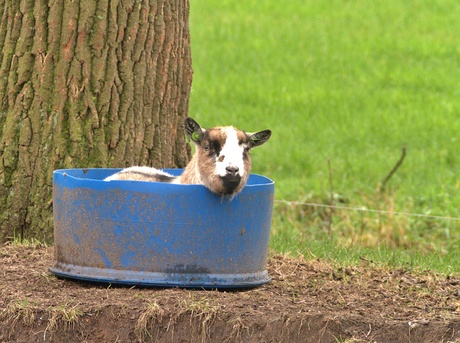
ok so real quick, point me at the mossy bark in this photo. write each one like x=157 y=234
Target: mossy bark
x=89 y=83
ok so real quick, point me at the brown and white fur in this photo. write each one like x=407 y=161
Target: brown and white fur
x=221 y=162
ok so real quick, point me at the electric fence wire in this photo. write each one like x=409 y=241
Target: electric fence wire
x=364 y=209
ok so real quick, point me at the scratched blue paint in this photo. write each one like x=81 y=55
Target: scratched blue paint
x=103 y=255
x=157 y=234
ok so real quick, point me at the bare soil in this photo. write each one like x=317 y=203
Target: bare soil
x=307 y=301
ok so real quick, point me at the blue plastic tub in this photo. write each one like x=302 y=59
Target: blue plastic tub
x=157 y=234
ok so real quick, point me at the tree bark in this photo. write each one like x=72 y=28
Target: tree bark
x=89 y=83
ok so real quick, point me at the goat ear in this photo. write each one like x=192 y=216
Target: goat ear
x=259 y=138
x=193 y=130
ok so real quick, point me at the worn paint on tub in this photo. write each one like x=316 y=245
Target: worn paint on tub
x=157 y=234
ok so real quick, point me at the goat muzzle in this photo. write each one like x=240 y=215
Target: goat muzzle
x=231 y=182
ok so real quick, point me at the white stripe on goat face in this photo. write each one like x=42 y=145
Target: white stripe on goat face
x=231 y=154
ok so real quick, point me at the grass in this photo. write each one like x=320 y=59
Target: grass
x=194 y=307
x=63 y=317
x=147 y=319
x=351 y=82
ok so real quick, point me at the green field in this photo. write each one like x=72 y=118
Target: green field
x=351 y=82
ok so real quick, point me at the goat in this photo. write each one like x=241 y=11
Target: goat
x=221 y=161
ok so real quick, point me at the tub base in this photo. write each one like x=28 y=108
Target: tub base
x=154 y=279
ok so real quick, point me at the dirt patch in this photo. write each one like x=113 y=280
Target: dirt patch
x=307 y=301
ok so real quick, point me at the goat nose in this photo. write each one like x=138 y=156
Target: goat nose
x=232 y=170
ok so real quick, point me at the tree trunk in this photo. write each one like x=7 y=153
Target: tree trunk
x=87 y=84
